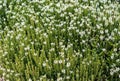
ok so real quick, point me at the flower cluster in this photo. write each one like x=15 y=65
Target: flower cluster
x=77 y=40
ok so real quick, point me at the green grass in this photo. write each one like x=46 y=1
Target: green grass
x=60 y=40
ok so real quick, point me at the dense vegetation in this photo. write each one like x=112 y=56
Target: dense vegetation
x=60 y=40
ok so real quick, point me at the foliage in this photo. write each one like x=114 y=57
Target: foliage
x=60 y=40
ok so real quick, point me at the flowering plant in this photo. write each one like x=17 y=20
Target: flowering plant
x=48 y=40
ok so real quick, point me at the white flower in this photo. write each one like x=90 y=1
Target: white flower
x=103 y=49
x=7 y=80
x=83 y=41
x=53 y=44
x=106 y=22
x=32 y=43
x=26 y=48
x=7 y=75
x=68 y=64
x=58 y=4
x=101 y=37
x=67 y=77
x=71 y=72
x=26 y=53
x=0 y=6
x=44 y=64
x=45 y=42
x=60 y=61
x=83 y=50
x=0 y=2
x=117 y=69
x=85 y=0
x=35 y=54
x=101 y=31
x=111 y=73
x=61 y=43
x=30 y=79
x=55 y=61
x=98 y=26
x=45 y=35
x=5 y=53
x=77 y=30
x=59 y=79
x=18 y=36
x=63 y=70
x=118 y=60
x=22 y=44
x=8 y=70
x=115 y=49
x=110 y=19
x=112 y=57
x=104 y=18
x=52 y=49
x=106 y=31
